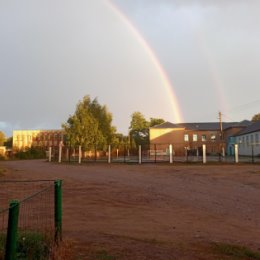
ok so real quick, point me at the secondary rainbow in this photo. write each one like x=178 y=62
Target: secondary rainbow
x=166 y=82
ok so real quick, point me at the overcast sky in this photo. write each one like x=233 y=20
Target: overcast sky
x=53 y=52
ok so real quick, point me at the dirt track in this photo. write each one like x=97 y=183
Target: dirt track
x=153 y=211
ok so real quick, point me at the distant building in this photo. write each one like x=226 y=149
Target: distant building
x=36 y=138
x=189 y=137
x=248 y=140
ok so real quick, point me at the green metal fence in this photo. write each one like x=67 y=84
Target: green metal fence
x=32 y=222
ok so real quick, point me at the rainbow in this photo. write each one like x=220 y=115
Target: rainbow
x=166 y=82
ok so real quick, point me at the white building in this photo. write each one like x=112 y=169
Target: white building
x=248 y=140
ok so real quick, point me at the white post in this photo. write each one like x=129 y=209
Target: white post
x=60 y=150
x=109 y=154
x=140 y=154
x=170 y=150
x=117 y=153
x=50 y=154
x=236 y=153
x=204 y=153
x=223 y=152
x=79 y=154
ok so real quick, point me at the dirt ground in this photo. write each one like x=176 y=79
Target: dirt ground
x=153 y=211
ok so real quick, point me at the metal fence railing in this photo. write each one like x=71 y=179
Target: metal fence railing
x=30 y=218
x=153 y=153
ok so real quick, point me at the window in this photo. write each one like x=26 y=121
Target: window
x=213 y=137
x=247 y=140
x=203 y=138
x=257 y=139
x=252 y=139
x=186 y=137
x=195 y=137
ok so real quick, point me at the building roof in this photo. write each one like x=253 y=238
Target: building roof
x=209 y=126
x=254 y=127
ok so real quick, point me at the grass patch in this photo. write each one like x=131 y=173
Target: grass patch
x=236 y=251
x=104 y=255
x=30 y=246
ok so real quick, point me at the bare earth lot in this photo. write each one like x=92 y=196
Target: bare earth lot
x=150 y=211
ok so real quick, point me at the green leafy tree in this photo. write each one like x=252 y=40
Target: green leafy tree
x=156 y=121
x=104 y=118
x=2 y=138
x=90 y=126
x=256 y=117
x=139 y=130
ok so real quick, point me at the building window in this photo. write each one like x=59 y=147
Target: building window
x=195 y=137
x=213 y=137
x=247 y=140
x=252 y=139
x=186 y=137
x=257 y=139
x=203 y=138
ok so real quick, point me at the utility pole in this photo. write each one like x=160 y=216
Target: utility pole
x=220 y=125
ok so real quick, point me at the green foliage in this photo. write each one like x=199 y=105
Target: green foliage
x=2 y=138
x=9 y=142
x=239 y=252
x=90 y=126
x=31 y=153
x=256 y=117
x=104 y=255
x=30 y=246
x=156 y=121
x=139 y=128
x=120 y=141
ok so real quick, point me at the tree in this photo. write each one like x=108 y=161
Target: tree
x=256 y=117
x=90 y=126
x=156 y=121
x=139 y=129
x=2 y=138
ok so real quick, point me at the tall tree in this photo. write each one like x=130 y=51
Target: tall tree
x=90 y=126
x=2 y=138
x=139 y=132
x=256 y=117
x=156 y=121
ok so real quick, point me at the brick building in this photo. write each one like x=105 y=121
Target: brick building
x=189 y=137
x=36 y=138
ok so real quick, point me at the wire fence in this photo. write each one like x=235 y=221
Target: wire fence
x=36 y=217
x=153 y=153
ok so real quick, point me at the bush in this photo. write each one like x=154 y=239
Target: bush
x=31 y=153
x=30 y=246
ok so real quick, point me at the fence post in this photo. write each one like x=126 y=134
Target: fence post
x=109 y=154
x=11 y=240
x=170 y=150
x=58 y=210
x=79 y=154
x=204 y=153
x=50 y=154
x=236 y=153
x=140 y=154
x=60 y=151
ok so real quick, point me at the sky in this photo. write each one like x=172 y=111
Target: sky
x=180 y=60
